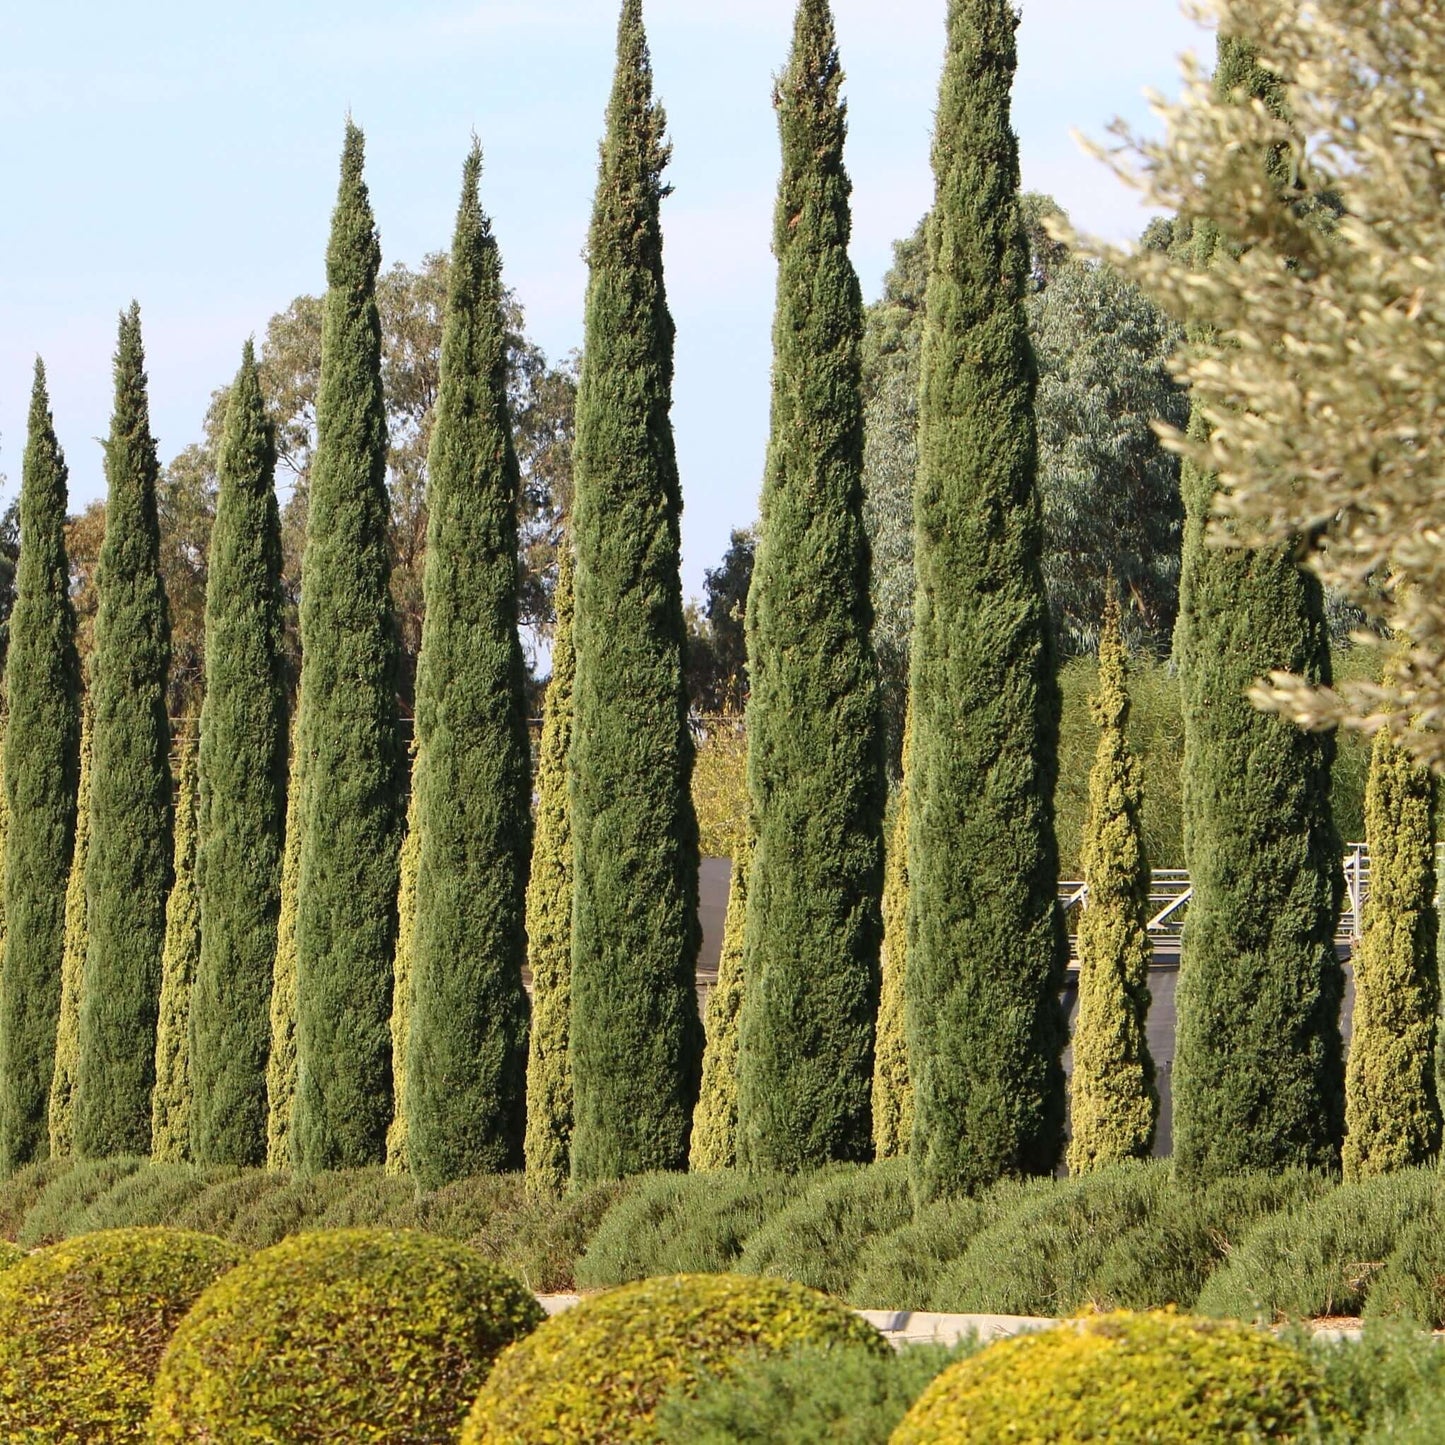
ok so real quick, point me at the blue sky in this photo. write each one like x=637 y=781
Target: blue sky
x=185 y=154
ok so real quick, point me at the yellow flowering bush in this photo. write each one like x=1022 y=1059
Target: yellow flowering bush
x=83 y=1325
x=595 y=1375
x=1126 y=1378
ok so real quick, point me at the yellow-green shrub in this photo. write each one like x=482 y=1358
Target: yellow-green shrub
x=83 y=1325
x=596 y=1374
x=346 y=1335
x=1159 y=1378
x=10 y=1254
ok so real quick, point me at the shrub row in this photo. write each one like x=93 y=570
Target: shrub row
x=538 y=1239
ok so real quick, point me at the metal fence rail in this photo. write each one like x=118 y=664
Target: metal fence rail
x=1170 y=891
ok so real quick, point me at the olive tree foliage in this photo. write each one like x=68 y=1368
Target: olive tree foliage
x=1109 y=490
x=1317 y=366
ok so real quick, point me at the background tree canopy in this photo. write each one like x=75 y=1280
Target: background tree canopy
x=541 y=395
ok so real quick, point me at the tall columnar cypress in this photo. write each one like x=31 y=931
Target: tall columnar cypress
x=636 y=1035
x=815 y=756
x=281 y=1057
x=171 y=1097
x=72 y=962
x=549 y=917
x=466 y=1075
x=350 y=758
x=42 y=768
x=1259 y=1067
x=1392 y=1111
x=985 y=1027
x=1114 y=1104
x=715 y=1120
x=892 y=1088
x=128 y=878
x=398 y=1154
x=242 y=791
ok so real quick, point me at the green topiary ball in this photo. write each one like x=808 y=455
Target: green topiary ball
x=596 y=1374
x=345 y=1335
x=1127 y=1378
x=83 y=1325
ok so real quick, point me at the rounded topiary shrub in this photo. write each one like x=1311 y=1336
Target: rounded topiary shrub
x=1127 y=1378
x=597 y=1373
x=347 y=1335
x=83 y=1325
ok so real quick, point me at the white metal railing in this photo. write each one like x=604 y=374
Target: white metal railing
x=1170 y=892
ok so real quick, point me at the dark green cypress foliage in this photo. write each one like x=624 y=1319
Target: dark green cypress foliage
x=892 y=1088
x=172 y=1096
x=1392 y=1112
x=636 y=1035
x=715 y=1120
x=281 y=1059
x=243 y=791
x=549 y=917
x=350 y=759
x=42 y=773
x=128 y=878
x=815 y=758
x=398 y=1153
x=72 y=962
x=1114 y=1104
x=985 y=1027
x=466 y=1073
x=1259 y=1067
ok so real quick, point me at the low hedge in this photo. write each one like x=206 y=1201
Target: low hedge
x=1320 y=1257
x=83 y=1325
x=819 y=1238
x=1412 y=1282
x=596 y=1374
x=682 y=1224
x=19 y=1193
x=346 y=1335
x=1041 y=1257
x=153 y=1196
x=60 y=1209
x=1156 y=1378
x=817 y=1395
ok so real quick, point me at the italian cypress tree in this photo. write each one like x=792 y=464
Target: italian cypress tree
x=892 y=1090
x=281 y=1059
x=242 y=791
x=1259 y=1066
x=466 y=1076
x=549 y=917
x=72 y=963
x=1392 y=1112
x=636 y=1035
x=128 y=876
x=42 y=766
x=715 y=1120
x=171 y=1099
x=398 y=1156
x=1114 y=1104
x=986 y=966
x=815 y=756
x=351 y=762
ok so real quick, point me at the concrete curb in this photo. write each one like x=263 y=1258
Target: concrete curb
x=902 y=1327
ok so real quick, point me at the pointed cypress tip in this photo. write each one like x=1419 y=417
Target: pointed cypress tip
x=39 y=386
x=472 y=172
x=353 y=152
x=248 y=354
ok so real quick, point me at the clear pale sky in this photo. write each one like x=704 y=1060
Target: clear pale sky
x=186 y=154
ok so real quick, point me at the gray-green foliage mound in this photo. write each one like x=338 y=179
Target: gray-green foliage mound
x=838 y=1394
x=682 y=1224
x=59 y=1210
x=817 y=1239
x=1320 y=1257
x=154 y=1195
x=1040 y=1258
